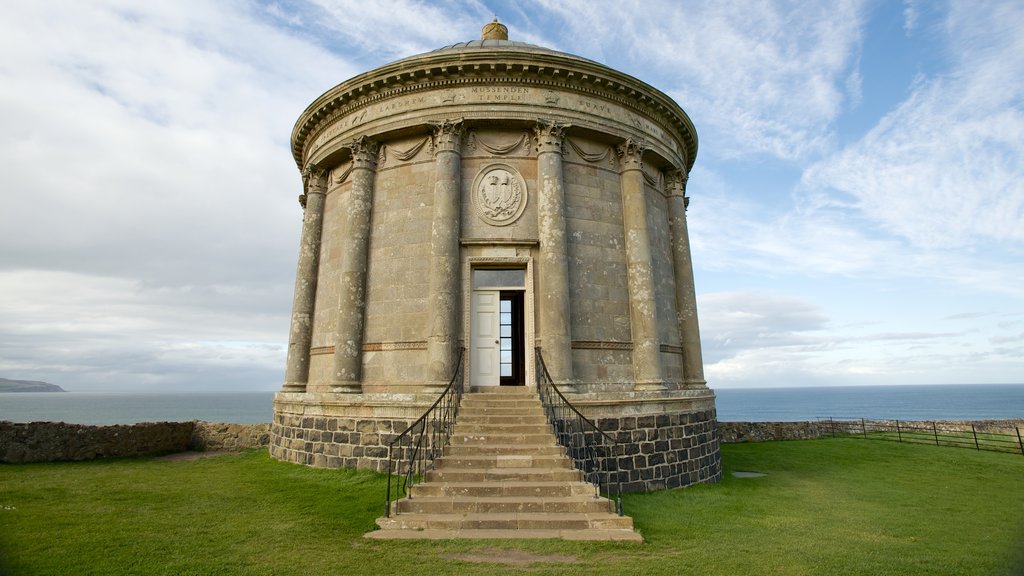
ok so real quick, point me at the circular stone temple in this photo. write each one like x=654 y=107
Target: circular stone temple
x=468 y=206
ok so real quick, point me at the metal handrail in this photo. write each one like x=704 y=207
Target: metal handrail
x=593 y=452
x=423 y=441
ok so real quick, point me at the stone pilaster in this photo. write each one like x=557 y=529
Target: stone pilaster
x=647 y=373
x=354 y=207
x=552 y=301
x=445 y=266
x=296 y=373
x=686 y=295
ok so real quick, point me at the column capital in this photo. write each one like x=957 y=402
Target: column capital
x=631 y=152
x=550 y=136
x=364 y=153
x=314 y=181
x=675 y=182
x=447 y=136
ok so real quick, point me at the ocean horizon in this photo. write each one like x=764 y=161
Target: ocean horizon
x=904 y=402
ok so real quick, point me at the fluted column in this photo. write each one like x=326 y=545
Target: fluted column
x=296 y=373
x=686 y=295
x=554 y=318
x=445 y=266
x=354 y=207
x=647 y=373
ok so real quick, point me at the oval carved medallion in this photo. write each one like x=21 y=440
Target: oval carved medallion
x=499 y=194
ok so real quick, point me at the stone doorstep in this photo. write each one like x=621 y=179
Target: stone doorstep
x=502 y=504
x=507 y=521
x=590 y=534
x=500 y=474
x=511 y=488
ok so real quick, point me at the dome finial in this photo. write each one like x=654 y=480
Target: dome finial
x=494 y=31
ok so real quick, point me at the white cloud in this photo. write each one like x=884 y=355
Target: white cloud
x=944 y=169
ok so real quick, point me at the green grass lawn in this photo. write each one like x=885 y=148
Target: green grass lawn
x=841 y=506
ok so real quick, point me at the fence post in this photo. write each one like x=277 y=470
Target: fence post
x=899 y=434
x=975 y=432
x=1019 y=443
x=864 y=428
x=935 y=432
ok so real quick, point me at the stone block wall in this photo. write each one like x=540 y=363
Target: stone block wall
x=55 y=441
x=665 y=450
x=334 y=442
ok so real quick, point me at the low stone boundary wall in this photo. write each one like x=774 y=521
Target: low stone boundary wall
x=52 y=441
x=732 y=432
x=57 y=441
x=208 y=436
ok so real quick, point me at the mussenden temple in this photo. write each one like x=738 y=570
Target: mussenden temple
x=496 y=218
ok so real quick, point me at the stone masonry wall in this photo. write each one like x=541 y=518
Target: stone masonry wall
x=334 y=442
x=733 y=432
x=57 y=441
x=54 y=441
x=666 y=450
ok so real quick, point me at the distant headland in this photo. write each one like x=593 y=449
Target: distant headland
x=8 y=385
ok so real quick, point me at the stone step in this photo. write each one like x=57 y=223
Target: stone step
x=501 y=411
x=560 y=474
x=473 y=400
x=550 y=449
x=502 y=391
x=588 y=534
x=507 y=521
x=489 y=438
x=485 y=461
x=502 y=419
x=507 y=488
x=502 y=505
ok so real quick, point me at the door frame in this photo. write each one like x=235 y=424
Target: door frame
x=529 y=329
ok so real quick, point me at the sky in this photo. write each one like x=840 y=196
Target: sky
x=857 y=203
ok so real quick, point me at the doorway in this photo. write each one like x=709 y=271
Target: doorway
x=497 y=349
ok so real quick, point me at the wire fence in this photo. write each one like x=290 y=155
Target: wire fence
x=991 y=438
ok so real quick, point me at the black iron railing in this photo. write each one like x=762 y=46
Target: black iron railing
x=413 y=452
x=990 y=436
x=593 y=452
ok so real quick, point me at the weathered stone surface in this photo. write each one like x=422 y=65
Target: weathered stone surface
x=56 y=441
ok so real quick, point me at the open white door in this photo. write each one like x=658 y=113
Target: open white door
x=484 y=365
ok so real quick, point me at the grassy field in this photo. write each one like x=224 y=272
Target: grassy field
x=840 y=506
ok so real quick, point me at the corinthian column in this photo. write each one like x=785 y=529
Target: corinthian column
x=296 y=373
x=443 y=297
x=643 y=319
x=686 y=296
x=355 y=207
x=554 y=317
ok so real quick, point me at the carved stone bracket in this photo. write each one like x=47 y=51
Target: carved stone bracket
x=550 y=136
x=364 y=153
x=631 y=153
x=447 y=136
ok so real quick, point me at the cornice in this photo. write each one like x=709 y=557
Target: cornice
x=450 y=68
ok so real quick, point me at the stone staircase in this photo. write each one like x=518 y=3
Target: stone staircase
x=504 y=476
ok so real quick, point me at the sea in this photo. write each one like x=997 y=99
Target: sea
x=919 y=402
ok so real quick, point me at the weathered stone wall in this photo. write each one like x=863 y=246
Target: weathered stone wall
x=57 y=441
x=54 y=441
x=665 y=450
x=732 y=432
x=209 y=436
x=334 y=442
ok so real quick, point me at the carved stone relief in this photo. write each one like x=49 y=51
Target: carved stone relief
x=499 y=194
